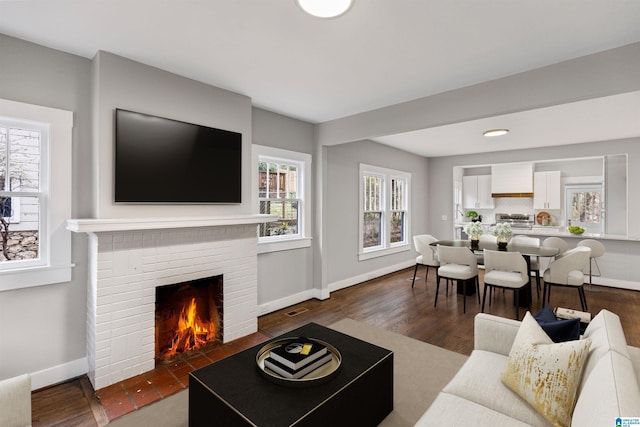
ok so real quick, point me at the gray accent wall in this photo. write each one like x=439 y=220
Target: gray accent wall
x=122 y=83
x=44 y=327
x=342 y=211
x=284 y=277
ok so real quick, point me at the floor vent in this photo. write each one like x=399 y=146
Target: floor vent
x=296 y=311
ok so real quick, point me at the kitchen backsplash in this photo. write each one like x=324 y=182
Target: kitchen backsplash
x=515 y=205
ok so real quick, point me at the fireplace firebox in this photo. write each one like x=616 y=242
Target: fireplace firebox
x=188 y=316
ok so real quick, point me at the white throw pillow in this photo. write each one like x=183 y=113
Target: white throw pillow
x=546 y=374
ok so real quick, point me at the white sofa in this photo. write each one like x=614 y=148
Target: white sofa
x=15 y=401
x=476 y=395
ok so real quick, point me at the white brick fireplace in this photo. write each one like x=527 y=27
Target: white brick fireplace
x=129 y=258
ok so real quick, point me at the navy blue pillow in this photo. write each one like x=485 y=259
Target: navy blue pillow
x=559 y=330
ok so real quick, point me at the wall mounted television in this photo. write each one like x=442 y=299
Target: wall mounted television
x=165 y=161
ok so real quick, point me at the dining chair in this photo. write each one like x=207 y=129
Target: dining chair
x=556 y=242
x=567 y=271
x=460 y=264
x=485 y=239
x=597 y=250
x=534 y=262
x=506 y=270
x=428 y=255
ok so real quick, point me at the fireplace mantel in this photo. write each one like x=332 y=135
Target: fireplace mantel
x=129 y=258
x=90 y=225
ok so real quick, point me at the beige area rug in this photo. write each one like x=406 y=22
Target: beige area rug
x=421 y=370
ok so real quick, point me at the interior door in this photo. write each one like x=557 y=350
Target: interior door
x=585 y=206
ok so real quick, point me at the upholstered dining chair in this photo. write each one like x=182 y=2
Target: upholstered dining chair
x=534 y=262
x=428 y=255
x=567 y=271
x=506 y=270
x=458 y=263
x=485 y=239
x=597 y=250
x=556 y=242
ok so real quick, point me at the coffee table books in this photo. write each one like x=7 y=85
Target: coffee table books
x=286 y=372
x=276 y=359
x=298 y=352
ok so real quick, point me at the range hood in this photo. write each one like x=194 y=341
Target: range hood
x=512 y=180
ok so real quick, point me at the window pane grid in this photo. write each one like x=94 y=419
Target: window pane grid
x=372 y=196
x=384 y=208
x=278 y=195
x=21 y=199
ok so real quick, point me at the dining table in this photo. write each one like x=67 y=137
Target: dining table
x=527 y=251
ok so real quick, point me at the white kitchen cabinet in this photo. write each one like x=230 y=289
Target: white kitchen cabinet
x=476 y=192
x=546 y=190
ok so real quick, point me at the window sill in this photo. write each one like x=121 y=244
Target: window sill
x=34 y=276
x=284 y=245
x=363 y=256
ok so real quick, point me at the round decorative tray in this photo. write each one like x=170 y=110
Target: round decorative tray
x=316 y=376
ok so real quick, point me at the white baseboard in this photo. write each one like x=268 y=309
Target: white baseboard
x=613 y=283
x=323 y=294
x=290 y=300
x=354 y=280
x=58 y=374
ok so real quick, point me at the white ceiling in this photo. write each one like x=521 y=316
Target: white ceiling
x=381 y=53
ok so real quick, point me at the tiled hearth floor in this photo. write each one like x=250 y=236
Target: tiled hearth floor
x=132 y=394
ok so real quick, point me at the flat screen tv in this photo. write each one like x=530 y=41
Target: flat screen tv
x=159 y=160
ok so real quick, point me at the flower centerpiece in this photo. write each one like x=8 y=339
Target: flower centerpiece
x=503 y=233
x=474 y=230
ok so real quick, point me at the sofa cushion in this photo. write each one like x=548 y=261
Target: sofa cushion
x=606 y=334
x=479 y=381
x=449 y=409
x=612 y=389
x=559 y=330
x=546 y=374
x=15 y=401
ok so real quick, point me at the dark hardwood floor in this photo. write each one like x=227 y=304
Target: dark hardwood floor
x=388 y=303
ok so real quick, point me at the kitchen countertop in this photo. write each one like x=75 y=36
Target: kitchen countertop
x=560 y=231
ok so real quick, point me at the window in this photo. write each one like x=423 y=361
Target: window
x=35 y=195
x=283 y=183
x=20 y=195
x=584 y=207
x=384 y=207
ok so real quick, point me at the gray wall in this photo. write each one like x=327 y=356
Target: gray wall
x=44 y=327
x=122 y=83
x=283 y=274
x=342 y=197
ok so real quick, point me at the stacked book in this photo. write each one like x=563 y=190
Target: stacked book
x=297 y=358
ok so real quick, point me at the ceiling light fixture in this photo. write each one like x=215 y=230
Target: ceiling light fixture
x=325 y=8
x=496 y=132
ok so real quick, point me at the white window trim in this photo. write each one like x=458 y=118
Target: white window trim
x=279 y=155
x=56 y=205
x=386 y=248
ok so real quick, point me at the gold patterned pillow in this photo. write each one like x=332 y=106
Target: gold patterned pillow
x=544 y=373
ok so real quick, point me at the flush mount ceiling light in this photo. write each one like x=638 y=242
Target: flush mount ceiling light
x=496 y=132
x=325 y=8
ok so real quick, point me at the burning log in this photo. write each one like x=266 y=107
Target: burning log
x=191 y=333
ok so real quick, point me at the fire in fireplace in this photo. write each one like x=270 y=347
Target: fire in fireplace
x=188 y=316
